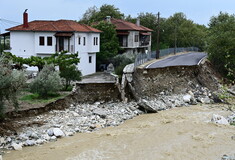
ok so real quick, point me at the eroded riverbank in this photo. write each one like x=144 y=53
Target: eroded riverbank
x=179 y=133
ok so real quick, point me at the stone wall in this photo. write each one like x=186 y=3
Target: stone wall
x=93 y=92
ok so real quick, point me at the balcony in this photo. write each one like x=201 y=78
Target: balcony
x=60 y=48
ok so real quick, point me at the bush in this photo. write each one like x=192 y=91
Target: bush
x=11 y=81
x=120 y=61
x=47 y=82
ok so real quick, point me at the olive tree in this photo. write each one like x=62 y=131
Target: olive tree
x=11 y=81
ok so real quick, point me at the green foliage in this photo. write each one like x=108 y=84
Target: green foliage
x=109 y=44
x=120 y=61
x=94 y=14
x=35 y=98
x=11 y=81
x=221 y=43
x=58 y=59
x=70 y=73
x=184 y=32
x=47 y=82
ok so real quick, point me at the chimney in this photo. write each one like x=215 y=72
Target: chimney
x=138 y=22
x=25 y=19
x=108 y=18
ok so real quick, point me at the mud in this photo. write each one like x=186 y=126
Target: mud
x=179 y=134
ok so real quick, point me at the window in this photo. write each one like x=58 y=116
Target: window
x=84 y=41
x=96 y=40
x=49 y=41
x=90 y=59
x=41 y=41
x=79 y=40
x=136 y=38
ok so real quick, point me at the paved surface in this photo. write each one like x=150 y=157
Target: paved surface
x=189 y=59
x=99 y=77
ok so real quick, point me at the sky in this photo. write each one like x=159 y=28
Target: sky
x=200 y=11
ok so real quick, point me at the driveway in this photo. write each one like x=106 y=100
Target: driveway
x=189 y=59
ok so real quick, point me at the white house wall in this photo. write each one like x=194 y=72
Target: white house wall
x=45 y=49
x=22 y=44
x=84 y=66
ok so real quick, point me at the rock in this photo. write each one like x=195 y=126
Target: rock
x=225 y=157
x=53 y=138
x=101 y=112
x=187 y=98
x=110 y=68
x=39 y=141
x=77 y=130
x=23 y=137
x=58 y=132
x=16 y=146
x=219 y=119
x=69 y=133
x=50 y=132
x=2 y=140
x=34 y=135
x=8 y=139
x=30 y=142
x=145 y=105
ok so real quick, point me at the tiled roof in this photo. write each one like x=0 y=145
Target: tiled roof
x=124 y=25
x=55 y=26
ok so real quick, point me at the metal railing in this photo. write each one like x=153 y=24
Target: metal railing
x=144 y=57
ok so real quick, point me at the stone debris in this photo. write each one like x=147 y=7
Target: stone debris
x=218 y=119
x=226 y=157
x=91 y=117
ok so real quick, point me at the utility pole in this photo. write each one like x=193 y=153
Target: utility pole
x=175 y=41
x=158 y=36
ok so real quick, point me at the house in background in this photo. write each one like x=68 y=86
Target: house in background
x=133 y=38
x=43 y=38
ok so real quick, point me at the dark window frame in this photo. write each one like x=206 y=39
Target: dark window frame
x=84 y=41
x=96 y=39
x=90 y=59
x=79 y=40
x=49 y=41
x=41 y=41
x=136 y=38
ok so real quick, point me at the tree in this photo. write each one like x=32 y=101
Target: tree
x=11 y=81
x=70 y=73
x=58 y=59
x=109 y=44
x=182 y=31
x=221 y=43
x=47 y=82
x=94 y=14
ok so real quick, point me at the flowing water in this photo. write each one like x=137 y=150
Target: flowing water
x=178 y=134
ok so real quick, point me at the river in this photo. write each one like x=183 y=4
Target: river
x=184 y=133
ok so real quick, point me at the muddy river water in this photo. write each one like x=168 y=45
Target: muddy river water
x=184 y=133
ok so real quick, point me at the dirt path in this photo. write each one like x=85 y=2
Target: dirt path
x=180 y=134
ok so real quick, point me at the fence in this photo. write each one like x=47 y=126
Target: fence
x=144 y=57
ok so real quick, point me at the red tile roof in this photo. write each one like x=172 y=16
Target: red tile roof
x=55 y=26
x=124 y=25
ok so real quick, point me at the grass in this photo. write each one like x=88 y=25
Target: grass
x=35 y=98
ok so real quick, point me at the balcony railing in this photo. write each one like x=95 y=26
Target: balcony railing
x=69 y=48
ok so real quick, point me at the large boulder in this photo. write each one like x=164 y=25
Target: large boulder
x=219 y=119
x=58 y=132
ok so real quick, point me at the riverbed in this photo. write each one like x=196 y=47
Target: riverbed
x=180 y=133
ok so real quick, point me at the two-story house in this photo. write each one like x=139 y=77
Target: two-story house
x=43 y=38
x=133 y=38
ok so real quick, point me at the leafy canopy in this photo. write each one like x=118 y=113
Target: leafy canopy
x=93 y=14
x=109 y=44
x=221 y=43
